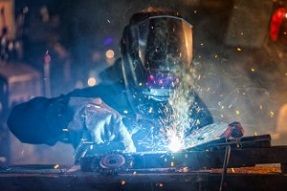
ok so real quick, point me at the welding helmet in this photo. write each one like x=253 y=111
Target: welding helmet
x=156 y=47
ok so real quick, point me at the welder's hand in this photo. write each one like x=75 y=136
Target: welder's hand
x=234 y=130
x=104 y=123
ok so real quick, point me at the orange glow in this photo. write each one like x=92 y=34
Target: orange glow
x=92 y=81
x=110 y=54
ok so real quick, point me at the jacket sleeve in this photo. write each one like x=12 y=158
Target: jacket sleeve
x=40 y=120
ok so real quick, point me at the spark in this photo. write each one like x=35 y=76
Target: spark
x=178 y=122
x=172 y=164
x=237 y=112
x=271 y=114
x=56 y=166
x=174 y=119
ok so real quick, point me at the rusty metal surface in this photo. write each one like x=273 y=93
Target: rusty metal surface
x=196 y=160
x=269 y=177
x=71 y=178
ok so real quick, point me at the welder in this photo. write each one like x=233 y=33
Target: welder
x=152 y=101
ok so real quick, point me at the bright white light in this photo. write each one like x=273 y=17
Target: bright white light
x=92 y=81
x=175 y=143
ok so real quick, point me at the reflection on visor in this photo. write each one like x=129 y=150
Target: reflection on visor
x=162 y=81
x=164 y=42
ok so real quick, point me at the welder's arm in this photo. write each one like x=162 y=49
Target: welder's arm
x=103 y=123
x=46 y=121
x=40 y=120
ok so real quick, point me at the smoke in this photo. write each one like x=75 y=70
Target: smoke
x=235 y=91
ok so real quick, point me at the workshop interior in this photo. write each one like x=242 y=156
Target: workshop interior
x=51 y=47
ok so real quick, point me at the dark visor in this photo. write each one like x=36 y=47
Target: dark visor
x=165 y=42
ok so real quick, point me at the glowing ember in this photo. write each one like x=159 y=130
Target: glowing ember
x=56 y=166
x=172 y=164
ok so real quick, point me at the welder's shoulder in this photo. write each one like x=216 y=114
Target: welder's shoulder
x=103 y=91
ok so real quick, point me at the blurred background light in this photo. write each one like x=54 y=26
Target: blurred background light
x=110 y=54
x=92 y=81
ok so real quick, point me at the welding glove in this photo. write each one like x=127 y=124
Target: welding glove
x=103 y=123
x=234 y=130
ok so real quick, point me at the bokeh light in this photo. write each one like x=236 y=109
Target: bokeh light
x=92 y=81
